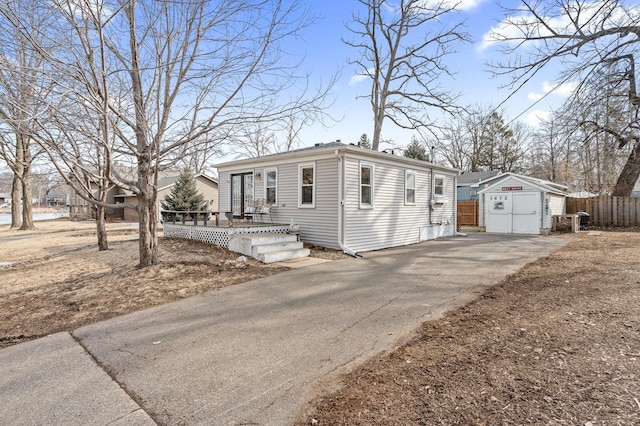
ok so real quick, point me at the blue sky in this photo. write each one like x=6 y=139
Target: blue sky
x=325 y=52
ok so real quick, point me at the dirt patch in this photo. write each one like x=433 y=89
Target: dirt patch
x=556 y=343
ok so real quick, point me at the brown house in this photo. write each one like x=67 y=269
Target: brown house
x=80 y=209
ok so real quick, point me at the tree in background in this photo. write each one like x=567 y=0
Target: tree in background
x=480 y=140
x=184 y=195
x=21 y=99
x=364 y=141
x=402 y=46
x=596 y=44
x=501 y=149
x=416 y=150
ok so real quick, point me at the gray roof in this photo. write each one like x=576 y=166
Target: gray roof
x=544 y=184
x=330 y=147
x=469 y=178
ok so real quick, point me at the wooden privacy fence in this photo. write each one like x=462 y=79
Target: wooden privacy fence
x=467 y=213
x=607 y=210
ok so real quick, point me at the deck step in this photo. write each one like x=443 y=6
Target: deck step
x=279 y=256
x=281 y=246
x=268 y=247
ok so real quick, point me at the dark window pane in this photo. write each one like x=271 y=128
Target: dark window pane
x=307 y=176
x=307 y=195
x=365 y=196
x=271 y=195
x=365 y=176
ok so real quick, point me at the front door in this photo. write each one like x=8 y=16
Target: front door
x=241 y=193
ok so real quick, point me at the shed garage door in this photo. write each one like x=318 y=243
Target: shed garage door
x=513 y=212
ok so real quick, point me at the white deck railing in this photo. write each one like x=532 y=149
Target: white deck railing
x=218 y=236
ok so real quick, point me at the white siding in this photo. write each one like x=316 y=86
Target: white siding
x=318 y=225
x=390 y=222
x=224 y=195
x=556 y=206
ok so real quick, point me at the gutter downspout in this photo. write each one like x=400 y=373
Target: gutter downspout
x=341 y=174
x=431 y=200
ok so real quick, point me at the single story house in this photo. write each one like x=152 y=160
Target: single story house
x=516 y=204
x=344 y=196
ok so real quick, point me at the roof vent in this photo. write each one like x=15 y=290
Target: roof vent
x=320 y=144
x=338 y=140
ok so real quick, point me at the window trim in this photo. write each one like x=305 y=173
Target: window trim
x=435 y=178
x=408 y=173
x=371 y=167
x=312 y=205
x=266 y=180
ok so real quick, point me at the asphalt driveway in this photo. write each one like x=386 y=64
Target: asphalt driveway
x=254 y=353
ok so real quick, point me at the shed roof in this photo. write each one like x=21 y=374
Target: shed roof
x=329 y=147
x=545 y=185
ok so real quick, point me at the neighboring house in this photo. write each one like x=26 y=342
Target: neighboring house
x=206 y=185
x=467 y=188
x=81 y=209
x=516 y=204
x=5 y=198
x=346 y=197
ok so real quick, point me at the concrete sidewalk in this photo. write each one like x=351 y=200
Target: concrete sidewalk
x=254 y=353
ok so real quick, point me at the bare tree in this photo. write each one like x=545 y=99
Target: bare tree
x=255 y=141
x=590 y=39
x=479 y=140
x=21 y=95
x=547 y=151
x=282 y=133
x=406 y=75
x=160 y=76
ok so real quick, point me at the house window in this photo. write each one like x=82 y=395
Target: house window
x=307 y=185
x=438 y=185
x=366 y=185
x=271 y=186
x=409 y=187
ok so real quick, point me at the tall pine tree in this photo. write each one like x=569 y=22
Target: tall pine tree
x=416 y=150
x=184 y=196
x=364 y=141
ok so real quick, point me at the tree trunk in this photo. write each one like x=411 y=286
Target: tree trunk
x=16 y=196
x=101 y=229
x=148 y=242
x=147 y=217
x=377 y=129
x=27 y=198
x=630 y=174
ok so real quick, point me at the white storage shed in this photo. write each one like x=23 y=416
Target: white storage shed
x=516 y=204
